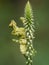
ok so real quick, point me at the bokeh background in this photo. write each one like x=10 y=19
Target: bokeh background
x=14 y=9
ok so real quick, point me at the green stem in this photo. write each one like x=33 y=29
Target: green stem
x=28 y=25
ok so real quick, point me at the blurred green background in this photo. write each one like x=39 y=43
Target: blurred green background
x=14 y=9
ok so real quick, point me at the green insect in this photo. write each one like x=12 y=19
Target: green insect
x=19 y=31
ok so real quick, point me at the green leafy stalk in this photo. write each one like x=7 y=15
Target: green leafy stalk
x=29 y=25
x=25 y=34
x=29 y=32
